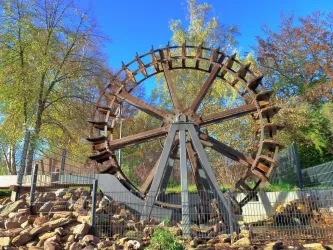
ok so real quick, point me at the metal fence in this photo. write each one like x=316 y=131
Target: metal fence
x=273 y=216
x=289 y=168
x=303 y=214
x=321 y=175
x=289 y=171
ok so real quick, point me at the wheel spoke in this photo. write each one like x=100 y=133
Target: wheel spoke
x=228 y=114
x=138 y=138
x=226 y=150
x=169 y=81
x=205 y=87
x=145 y=107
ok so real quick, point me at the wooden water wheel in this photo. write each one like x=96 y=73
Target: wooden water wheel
x=215 y=64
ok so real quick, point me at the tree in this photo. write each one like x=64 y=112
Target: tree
x=297 y=62
x=205 y=29
x=51 y=70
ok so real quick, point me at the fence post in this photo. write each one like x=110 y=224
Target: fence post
x=63 y=161
x=22 y=165
x=93 y=205
x=120 y=134
x=297 y=165
x=231 y=226
x=33 y=186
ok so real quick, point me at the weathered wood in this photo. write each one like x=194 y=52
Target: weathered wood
x=129 y=74
x=257 y=106
x=101 y=125
x=154 y=60
x=194 y=161
x=253 y=84
x=205 y=87
x=145 y=186
x=243 y=70
x=97 y=140
x=228 y=114
x=169 y=81
x=104 y=110
x=226 y=150
x=138 y=138
x=145 y=107
x=271 y=128
x=101 y=157
x=141 y=65
x=269 y=112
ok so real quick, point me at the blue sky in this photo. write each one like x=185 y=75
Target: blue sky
x=134 y=26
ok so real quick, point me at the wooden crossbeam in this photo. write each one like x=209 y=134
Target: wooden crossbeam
x=169 y=81
x=154 y=60
x=145 y=107
x=228 y=114
x=205 y=87
x=138 y=138
x=141 y=65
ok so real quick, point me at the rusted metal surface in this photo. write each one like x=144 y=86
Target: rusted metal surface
x=163 y=61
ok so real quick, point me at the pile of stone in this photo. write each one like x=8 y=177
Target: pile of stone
x=298 y=212
x=53 y=228
x=61 y=220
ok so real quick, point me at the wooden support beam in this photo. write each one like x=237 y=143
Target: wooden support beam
x=138 y=138
x=154 y=60
x=184 y=55
x=101 y=125
x=129 y=74
x=141 y=65
x=228 y=114
x=243 y=70
x=143 y=106
x=195 y=162
x=226 y=150
x=253 y=84
x=169 y=81
x=205 y=87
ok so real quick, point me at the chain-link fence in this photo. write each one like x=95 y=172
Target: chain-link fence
x=289 y=171
x=272 y=216
x=321 y=175
x=303 y=214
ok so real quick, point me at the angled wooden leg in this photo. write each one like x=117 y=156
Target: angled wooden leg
x=184 y=184
x=198 y=173
x=208 y=169
x=201 y=182
x=154 y=188
x=169 y=167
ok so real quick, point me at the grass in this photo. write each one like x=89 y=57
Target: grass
x=5 y=192
x=269 y=188
x=191 y=188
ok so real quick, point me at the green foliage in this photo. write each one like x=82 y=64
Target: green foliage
x=5 y=193
x=163 y=239
x=297 y=64
x=310 y=128
x=51 y=70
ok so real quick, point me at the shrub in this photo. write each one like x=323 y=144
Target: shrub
x=163 y=239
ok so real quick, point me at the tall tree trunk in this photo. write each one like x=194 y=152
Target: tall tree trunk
x=12 y=152
x=7 y=160
x=33 y=144
x=10 y=159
